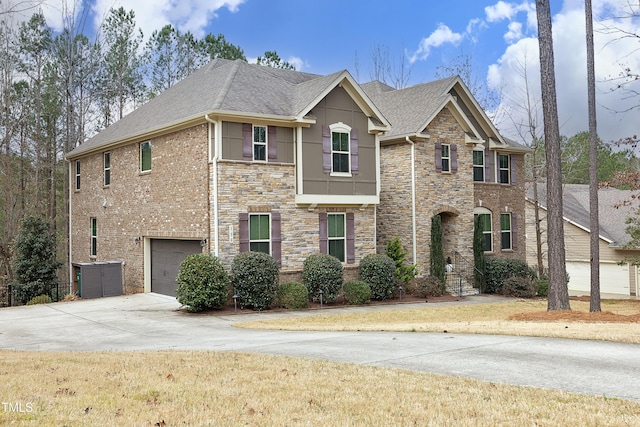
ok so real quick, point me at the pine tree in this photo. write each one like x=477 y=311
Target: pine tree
x=396 y=252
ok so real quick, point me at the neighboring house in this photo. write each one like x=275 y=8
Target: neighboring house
x=617 y=277
x=443 y=156
x=236 y=157
x=240 y=157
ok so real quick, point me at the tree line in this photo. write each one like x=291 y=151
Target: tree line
x=59 y=88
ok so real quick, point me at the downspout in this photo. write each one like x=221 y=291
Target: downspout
x=413 y=200
x=214 y=160
x=71 y=187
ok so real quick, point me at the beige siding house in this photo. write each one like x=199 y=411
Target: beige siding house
x=618 y=278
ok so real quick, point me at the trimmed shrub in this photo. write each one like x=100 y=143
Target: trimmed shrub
x=293 y=295
x=379 y=271
x=357 y=292
x=24 y=292
x=542 y=287
x=428 y=286
x=498 y=270
x=521 y=287
x=322 y=272
x=255 y=279
x=203 y=283
x=40 y=299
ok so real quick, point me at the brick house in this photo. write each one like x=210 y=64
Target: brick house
x=443 y=156
x=240 y=157
x=235 y=157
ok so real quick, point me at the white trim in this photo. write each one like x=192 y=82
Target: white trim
x=341 y=128
x=448 y=157
x=344 y=236
x=299 y=162
x=510 y=248
x=268 y=214
x=147 y=264
x=414 y=230
x=254 y=142
x=341 y=199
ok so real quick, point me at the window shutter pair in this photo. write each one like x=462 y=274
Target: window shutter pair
x=453 y=157
x=350 y=236
x=247 y=142
x=276 y=235
x=326 y=150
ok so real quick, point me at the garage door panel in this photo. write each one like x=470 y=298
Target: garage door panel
x=614 y=279
x=166 y=257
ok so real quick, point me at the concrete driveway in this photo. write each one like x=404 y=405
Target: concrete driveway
x=152 y=322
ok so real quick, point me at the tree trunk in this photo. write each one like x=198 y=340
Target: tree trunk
x=594 y=241
x=558 y=293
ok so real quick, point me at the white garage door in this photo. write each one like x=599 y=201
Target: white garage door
x=614 y=279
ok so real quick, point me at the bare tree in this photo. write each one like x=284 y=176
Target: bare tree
x=594 y=225
x=386 y=69
x=558 y=293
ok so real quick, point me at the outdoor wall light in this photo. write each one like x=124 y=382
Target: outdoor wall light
x=203 y=242
x=137 y=240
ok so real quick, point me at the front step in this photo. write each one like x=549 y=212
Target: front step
x=454 y=287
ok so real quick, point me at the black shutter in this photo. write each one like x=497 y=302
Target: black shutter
x=514 y=231
x=438 y=157
x=454 y=158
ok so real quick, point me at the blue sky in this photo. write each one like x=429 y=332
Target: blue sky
x=498 y=35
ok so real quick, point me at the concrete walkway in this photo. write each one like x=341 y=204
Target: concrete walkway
x=153 y=322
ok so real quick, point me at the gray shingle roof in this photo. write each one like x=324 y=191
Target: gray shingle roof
x=221 y=85
x=409 y=109
x=612 y=212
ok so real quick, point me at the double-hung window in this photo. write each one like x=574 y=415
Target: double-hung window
x=478 y=166
x=340 y=151
x=503 y=169
x=485 y=226
x=260 y=143
x=336 y=235
x=107 y=169
x=505 y=231
x=446 y=158
x=94 y=237
x=260 y=233
x=77 y=174
x=145 y=156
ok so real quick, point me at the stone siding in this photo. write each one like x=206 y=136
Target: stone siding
x=250 y=187
x=505 y=198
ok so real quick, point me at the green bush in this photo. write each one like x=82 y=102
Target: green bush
x=255 y=279
x=396 y=252
x=322 y=272
x=24 y=292
x=357 y=292
x=40 y=299
x=379 y=271
x=542 y=287
x=428 y=286
x=497 y=270
x=520 y=287
x=203 y=283
x=293 y=295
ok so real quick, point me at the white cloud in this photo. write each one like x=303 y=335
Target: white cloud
x=440 y=36
x=185 y=15
x=505 y=11
x=515 y=32
x=612 y=54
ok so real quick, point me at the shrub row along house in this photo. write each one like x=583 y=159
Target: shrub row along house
x=240 y=157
